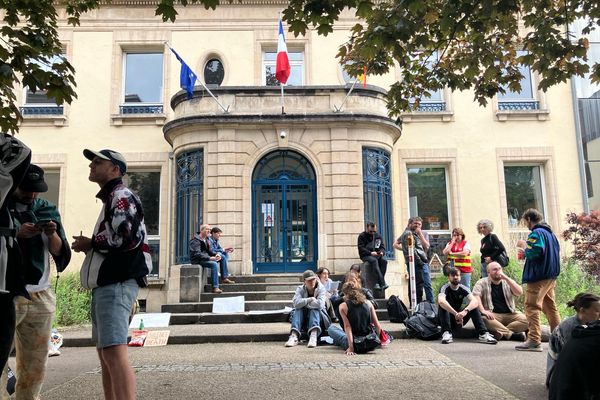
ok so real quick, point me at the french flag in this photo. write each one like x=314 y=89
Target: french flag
x=282 y=66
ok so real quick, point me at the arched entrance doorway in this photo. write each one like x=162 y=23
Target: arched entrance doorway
x=284 y=215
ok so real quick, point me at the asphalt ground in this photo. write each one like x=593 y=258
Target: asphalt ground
x=407 y=368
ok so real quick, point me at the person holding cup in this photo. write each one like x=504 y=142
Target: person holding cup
x=542 y=267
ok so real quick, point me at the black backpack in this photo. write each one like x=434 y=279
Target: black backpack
x=397 y=310
x=424 y=324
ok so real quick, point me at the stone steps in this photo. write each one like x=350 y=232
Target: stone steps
x=265 y=298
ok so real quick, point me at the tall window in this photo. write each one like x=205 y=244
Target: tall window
x=377 y=192
x=428 y=199
x=524 y=186
x=38 y=103
x=143 y=83
x=297 y=68
x=523 y=100
x=189 y=188
x=52 y=179
x=146 y=183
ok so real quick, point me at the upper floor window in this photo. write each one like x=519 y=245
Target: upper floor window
x=296 y=63
x=214 y=72
x=142 y=83
x=38 y=102
x=435 y=102
x=524 y=185
x=526 y=98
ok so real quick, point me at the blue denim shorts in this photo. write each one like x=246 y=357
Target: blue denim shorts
x=111 y=308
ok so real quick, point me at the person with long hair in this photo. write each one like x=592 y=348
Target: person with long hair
x=587 y=308
x=357 y=314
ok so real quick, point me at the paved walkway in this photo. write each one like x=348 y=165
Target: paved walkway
x=407 y=369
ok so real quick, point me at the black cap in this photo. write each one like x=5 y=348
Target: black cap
x=113 y=156
x=33 y=181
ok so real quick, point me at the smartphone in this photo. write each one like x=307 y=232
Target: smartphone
x=42 y=223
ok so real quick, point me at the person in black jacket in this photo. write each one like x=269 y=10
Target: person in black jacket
x=491 y=246
x=371 y=249
x=575 y=374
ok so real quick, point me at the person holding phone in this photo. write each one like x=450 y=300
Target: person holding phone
x=40 y=235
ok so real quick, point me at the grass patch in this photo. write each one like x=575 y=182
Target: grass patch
x=73 y=302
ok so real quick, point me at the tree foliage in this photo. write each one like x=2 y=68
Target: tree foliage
x=584 y=233
x=459 y=44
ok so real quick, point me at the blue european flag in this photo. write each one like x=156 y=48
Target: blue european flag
x=187 y=77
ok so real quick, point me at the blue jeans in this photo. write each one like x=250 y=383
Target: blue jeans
x=214 y=272
x=465 y=279
x=223 y=264
x=484 y=269
x=111 y=307
x=300 y=317
x=427 y=284
x=338 y=336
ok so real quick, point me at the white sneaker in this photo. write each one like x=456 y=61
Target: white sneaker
x=292 y=341
x=312 y=341
x=487 y=338
x=446 y=337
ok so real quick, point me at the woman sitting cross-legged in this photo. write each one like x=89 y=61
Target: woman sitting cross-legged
x=357 y=314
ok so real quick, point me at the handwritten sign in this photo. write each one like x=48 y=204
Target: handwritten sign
x=157 y=338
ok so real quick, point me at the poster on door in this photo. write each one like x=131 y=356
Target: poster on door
x=267 y=212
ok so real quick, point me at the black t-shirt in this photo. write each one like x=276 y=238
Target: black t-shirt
x=455 y=297
x=498 y=300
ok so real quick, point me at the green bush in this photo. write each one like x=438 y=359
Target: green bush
x=73 y=302
x=571 y=281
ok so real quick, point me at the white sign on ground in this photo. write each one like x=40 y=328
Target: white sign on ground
x=228 y=305
x=151 y=320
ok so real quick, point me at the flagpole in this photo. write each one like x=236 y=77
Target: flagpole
x=339 y=109
x=282 y=101
x=225 y=110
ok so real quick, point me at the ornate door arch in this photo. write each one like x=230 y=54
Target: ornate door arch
x=284 y=214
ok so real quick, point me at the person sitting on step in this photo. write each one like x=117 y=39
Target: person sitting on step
x=450 y=301
x=202 y=254
x=308 y=302
x=371 y=249
x=215 y=235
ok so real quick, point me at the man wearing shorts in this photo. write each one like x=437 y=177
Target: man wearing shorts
x=116 y=264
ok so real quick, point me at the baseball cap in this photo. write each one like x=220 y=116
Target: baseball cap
x=309 y=275
x=110 y=155
x=33 y=181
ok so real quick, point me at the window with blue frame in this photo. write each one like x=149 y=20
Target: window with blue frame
x=523 y=100
x=142 y=83
x=377 y=192
x=189 y=187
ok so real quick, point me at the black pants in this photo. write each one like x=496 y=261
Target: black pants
x=7 y=327
x=448 y=321
x=419 y=283
x=379 y=265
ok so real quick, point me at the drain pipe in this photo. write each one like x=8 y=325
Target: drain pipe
x=582 y=177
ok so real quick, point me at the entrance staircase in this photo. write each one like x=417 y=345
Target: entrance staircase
x=266 y=297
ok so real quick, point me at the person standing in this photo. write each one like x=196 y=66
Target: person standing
x=371 y=249
x=542 y=267
x=39 y=234
x=116 y=264
x=458 y=251
x=491 y=247
x=421 y=243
